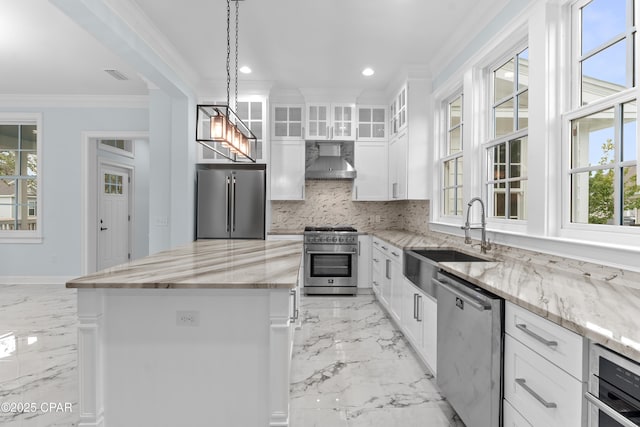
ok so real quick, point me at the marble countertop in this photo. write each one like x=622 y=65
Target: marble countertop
x=594 y=301
x=216 y=264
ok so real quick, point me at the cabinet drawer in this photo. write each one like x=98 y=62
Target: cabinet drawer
x=541 y=392
x=557 y=344
x=394 y=253
x=511 y=417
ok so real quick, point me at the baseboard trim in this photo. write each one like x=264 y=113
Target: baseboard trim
x=35 y=280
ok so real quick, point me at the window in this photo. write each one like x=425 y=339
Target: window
x=120 y=146
x=507 y=152
x=603 y=184
x=19 y=163
x=605 y=48
x=452 y=162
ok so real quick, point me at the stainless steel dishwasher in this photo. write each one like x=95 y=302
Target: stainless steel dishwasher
x=469 y=355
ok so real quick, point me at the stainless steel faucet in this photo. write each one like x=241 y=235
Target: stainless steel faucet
x=485 y=245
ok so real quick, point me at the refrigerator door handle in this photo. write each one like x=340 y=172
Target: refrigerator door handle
x=226 y=201
x=233 y=205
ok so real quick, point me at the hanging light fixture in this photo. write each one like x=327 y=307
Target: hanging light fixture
x=218 y=127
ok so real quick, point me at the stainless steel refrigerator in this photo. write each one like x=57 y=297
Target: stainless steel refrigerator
x=231 y=202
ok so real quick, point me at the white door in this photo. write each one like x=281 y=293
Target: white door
x=113 y=216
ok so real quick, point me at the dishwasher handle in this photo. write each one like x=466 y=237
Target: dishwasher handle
x=618 y=417
x=477 y=304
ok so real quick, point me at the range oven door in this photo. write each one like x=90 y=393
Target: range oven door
x=331 y=265
x=614 y=390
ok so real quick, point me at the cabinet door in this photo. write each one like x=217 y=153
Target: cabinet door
x=372 y=123
x=398 y=167
x=287 y=170
x=402 y=108
x=318 y=122
x=287 y=122
x=376 y=272
x=343 y=124
x=371 y=163
x=428 y=316
x=364 y=261
x=411 y=326
x=395 y=289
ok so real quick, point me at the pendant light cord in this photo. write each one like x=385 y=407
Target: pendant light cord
x=228 y=48
x=237 y=24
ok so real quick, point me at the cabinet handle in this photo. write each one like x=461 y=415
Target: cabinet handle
x=388 y=269
x=376 y=260
x=375 y=283
x=376 y=243
x=415 y=306
x=328 y=133
x=620 y=419
x=359 y=247
x=295 y=306
x=535 y=336
x=331 y=132
x=385 y=248
x=395 y=254
x=418 y=318
x=523 y=383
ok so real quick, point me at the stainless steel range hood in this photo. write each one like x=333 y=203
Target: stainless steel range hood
x=330 y=164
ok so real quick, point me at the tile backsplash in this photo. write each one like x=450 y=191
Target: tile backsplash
x=329 y=203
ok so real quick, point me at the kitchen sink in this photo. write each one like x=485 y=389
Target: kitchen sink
x=421 y=265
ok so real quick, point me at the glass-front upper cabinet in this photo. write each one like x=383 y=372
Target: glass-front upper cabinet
x=330 y=122
x=287 y=121
x=372 y=123
x=253 y=113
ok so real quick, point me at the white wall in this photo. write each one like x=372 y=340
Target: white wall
x=59 y=253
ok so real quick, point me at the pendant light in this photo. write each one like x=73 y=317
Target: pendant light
x=218 y=127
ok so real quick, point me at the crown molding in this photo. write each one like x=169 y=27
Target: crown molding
x=73 y=101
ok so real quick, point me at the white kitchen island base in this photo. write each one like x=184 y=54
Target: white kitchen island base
x=139 y=367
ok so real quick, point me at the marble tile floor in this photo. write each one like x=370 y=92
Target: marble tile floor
x=351 y=367
x=38 y=356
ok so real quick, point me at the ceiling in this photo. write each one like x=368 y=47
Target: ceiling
x=287 y=43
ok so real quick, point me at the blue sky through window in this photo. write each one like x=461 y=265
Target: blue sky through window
x=601 y=21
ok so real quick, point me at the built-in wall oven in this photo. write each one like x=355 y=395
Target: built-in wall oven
x=331 y=260
x=614 y=389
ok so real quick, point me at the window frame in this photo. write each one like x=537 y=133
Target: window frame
x=491 y=140
x=28 y=236
x=447 y=156
x=597 y=233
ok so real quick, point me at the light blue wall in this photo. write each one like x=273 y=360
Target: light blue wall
x=510 y=11
x=59 y=253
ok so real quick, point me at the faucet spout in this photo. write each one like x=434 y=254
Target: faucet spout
x=484 y=245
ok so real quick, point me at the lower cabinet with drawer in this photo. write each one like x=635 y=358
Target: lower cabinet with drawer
x=544 y=372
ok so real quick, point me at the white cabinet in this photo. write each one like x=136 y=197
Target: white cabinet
x=287 y=170
x=371 y=163
x=287 y=122
x=398 y=167
x=419 y=322
x=364 y=261
x=410 y=137
x=376 y=272
x=330 y=122
x=372 y=123
x=544 y=364
x=390 y=276
x=253 y=112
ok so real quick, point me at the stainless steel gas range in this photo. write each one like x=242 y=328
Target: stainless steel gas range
x=331 y=260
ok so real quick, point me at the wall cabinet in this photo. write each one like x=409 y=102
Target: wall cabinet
x=253 y=112
x=330 y=122
x=287 y=161
x=372 y=123
x=409 y=119
x=371 y=163
x=287 y=121
x=364 y=261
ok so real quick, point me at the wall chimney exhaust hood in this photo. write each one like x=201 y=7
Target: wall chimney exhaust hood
x=330 y=164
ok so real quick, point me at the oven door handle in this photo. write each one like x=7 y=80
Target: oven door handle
x=621 y=419
x=330 y=252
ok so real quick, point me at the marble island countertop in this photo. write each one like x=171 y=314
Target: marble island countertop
x=598 y=302
x=217 y=264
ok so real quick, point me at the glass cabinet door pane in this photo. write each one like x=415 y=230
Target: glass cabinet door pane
x=364 y=130
x=378 y=115
x=364 y=115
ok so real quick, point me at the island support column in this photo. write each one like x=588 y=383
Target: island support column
x=91 y=357
x=280 y=342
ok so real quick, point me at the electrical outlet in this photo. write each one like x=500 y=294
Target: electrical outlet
x=187 y=318
x=377 y=218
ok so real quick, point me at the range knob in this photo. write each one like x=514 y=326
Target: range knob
x=341 y=239
x=335 y=239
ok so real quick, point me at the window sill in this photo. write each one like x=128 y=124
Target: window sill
x=20 y=239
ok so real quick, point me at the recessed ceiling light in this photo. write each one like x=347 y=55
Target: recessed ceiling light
x=367 y=72
x=245 y=70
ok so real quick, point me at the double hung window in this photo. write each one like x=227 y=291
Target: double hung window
x=452 y=161
x=507 y=152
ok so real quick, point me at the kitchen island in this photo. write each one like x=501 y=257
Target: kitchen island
x=199 y=335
